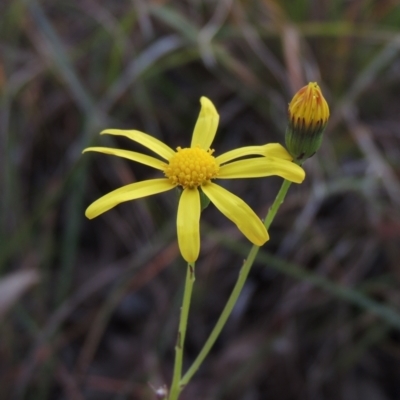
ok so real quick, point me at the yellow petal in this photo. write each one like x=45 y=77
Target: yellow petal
x=125 y=193
x=206 y=125
x=237 y=211
x=130 y=155
x=276 y=150
x=188 y=224
x=260 y=167
x=144 y=139
x=269 y=150
x=240 y=152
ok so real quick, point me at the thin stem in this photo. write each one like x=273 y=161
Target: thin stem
x=244 y=272
x=280 y=197
x=187 y=294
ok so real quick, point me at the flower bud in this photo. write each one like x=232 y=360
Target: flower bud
x=308 y=117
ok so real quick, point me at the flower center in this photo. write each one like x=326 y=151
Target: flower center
x=191 y=167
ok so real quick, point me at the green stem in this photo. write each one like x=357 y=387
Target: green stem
x=244 y=272
x=176 y=386
x=280 y=197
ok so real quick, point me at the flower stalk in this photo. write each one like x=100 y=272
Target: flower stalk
x=176 y=385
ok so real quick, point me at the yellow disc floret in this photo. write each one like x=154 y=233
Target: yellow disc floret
x=191 y=167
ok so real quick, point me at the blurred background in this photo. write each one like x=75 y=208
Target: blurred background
x=89 y=309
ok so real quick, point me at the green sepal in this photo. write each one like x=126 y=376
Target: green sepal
x=178 y=191
x=204 y=200
x=302 y=144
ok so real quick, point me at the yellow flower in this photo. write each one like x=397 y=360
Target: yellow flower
x=194 y=169
x=308 y=117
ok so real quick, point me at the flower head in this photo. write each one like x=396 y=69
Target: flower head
x=308 y=117
x=194 y=169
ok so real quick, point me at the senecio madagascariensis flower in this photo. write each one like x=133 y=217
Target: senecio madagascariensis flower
x=193 y=169
x=308 y=117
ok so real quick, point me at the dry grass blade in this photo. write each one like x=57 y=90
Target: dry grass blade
x=377 y=162
x=14 y=286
